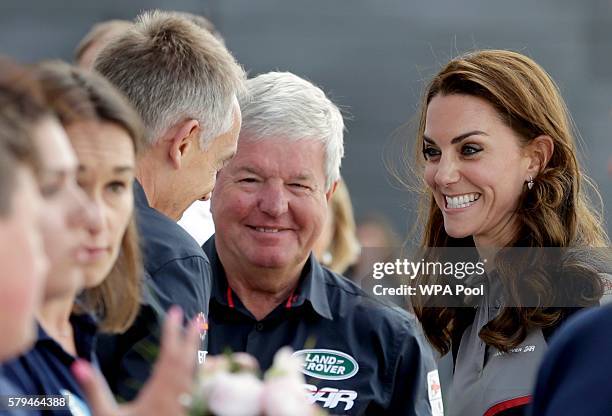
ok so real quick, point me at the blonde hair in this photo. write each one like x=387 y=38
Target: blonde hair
x=344 y=247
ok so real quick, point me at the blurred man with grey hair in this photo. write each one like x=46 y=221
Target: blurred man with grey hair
x=184 y=83
x=360 y=356
x=100 y=35
x=197 y=219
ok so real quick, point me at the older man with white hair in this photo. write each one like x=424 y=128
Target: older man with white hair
x=361 y=357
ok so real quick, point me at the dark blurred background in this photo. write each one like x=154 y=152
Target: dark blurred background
x=373 y=58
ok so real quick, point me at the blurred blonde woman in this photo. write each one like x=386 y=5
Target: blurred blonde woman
x=337 y=247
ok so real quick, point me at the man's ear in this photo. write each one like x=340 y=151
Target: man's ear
x=331 y=191
x=184 y=137
x=539 y=151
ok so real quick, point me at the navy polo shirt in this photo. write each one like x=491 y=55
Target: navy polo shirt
x=45 y=369
x=6 y=386
x=177 y=272
x=362 y=357
x=8 y=389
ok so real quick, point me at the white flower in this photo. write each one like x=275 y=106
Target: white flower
x=229 y=385
x=245 y=362
x=215 y=364
x=287 y=366
x=237 y=394
x=283 y=397
x=283 y=393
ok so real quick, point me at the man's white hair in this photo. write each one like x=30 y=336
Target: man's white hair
x=282 y=105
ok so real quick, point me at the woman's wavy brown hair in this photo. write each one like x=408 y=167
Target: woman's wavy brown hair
x=555 y=213
x=78 y=95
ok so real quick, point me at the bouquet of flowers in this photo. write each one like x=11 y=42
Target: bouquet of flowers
x=230 y=385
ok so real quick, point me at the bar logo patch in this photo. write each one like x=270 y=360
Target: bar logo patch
x=327 y=364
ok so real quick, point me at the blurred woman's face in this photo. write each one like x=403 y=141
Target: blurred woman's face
x=24 y=265
x=67 y=215
x=106 y=158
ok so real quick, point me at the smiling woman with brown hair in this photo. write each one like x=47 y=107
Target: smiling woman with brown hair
x=500 y=169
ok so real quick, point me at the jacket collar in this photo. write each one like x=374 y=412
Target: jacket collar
x=311 y=288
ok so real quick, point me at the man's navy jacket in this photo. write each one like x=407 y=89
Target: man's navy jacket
x=177 y=272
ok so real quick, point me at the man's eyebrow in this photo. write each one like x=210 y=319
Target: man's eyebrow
x=303 y=176
x=116 y=169
x=458 y=138
x=247 y=169
x=122 y=169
